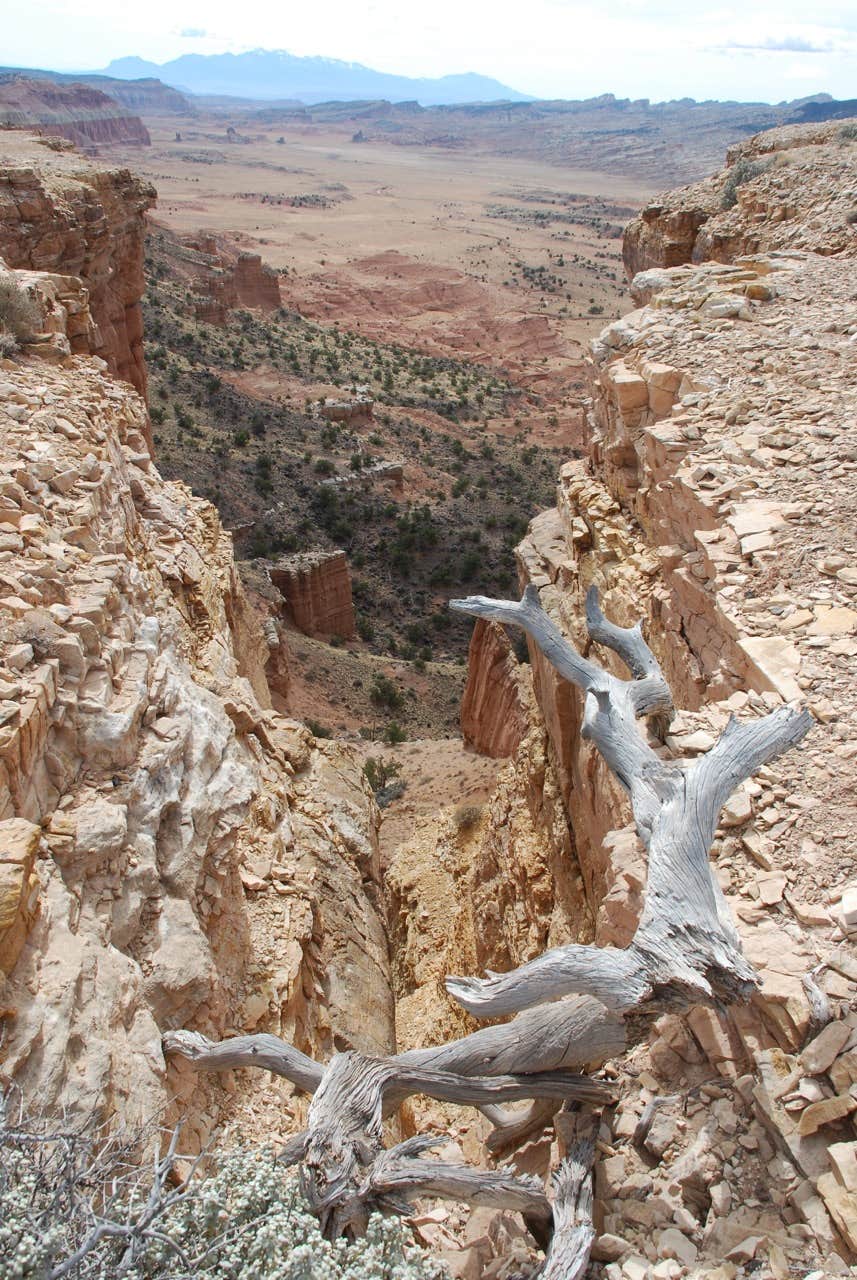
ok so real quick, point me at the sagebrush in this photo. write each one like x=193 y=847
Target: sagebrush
x=742 y=171
x=19 y=314
x=78 y=1202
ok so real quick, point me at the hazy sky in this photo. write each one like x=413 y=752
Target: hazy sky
x=762 y=50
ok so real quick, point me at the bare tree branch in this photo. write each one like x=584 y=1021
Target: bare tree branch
x=686 y=949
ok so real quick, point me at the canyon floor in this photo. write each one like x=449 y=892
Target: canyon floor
x=465 y=317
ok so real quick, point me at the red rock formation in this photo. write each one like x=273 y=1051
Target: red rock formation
x=255 y=284
x=316 y=587
x=69 y=216
x=82 y=114
x=221 y=275
x=494 y=711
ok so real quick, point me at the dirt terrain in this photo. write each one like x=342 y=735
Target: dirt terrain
x=466 y=318
x=316 y=204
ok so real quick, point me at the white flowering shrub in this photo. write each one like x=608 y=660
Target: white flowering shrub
x=73 y=1206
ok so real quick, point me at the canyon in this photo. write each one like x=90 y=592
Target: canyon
x=180 y=851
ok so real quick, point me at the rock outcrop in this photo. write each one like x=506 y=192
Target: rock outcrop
x=79 y=112
x=316 y=591
x=495 y=707
x=355 y=410
x=717 y=503
x=172 y=852
x=788 y=188
x=68 y=216
x=220 y=275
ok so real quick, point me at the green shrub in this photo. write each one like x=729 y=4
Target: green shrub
x=318 y=730
x=19 y=314
x=380 y=772
x=742 y=171
x=384 y=693
x=243 y=1220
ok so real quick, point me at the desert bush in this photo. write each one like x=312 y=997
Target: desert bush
x=77 y=1202
x=318 y=730
x=19 y=314
x=380 y=772
x=466 y=817
x=848 y=132
x=742 y=171
x=384 y=693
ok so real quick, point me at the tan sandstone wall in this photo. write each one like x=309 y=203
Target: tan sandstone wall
x=717 y=503
x=172 y=852
x=68 y=216
x=316 y=591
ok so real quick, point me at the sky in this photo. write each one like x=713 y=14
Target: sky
x=760 y=50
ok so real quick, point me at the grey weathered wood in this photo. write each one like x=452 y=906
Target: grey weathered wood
x=576 y=1006
x=399 y=1172
x=568 y=1256
x=561 y=1037
x=354 y=1092
x=686 y=949
x=266 y=1051
x=511 y=1128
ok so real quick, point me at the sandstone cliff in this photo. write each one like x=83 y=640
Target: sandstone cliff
x=79 y=112
x=716 y=501
x=68 y=216
x=316 y=591
x=220 y=275
x=172 y=852
x=495 y=706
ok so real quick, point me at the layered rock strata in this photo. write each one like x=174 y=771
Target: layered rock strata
x=716 y=501
x=79 y=112
x=495 y=707
x=68 y=216
x=316 y=590
x=172 y=852
x=221 y=276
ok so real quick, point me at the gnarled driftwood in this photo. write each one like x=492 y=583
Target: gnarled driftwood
x=575 y=1006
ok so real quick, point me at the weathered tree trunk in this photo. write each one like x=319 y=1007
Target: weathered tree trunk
x=575 y=1006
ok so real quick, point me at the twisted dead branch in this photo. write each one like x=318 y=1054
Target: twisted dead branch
x=575 y=1006
x=686 y=950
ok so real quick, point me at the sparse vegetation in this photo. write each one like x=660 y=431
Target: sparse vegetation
x=466 y=817
x=78 y=1202
x=743 y=170
x=265 y=458
x=19 y=315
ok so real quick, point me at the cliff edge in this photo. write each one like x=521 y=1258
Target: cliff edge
x=70 y=216
x=717 y=501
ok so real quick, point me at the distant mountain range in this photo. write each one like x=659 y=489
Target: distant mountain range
x=264 y=74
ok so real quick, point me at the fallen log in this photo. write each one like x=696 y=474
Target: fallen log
x=575 y=1006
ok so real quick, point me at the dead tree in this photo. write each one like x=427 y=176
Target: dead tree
x=575 y=1006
